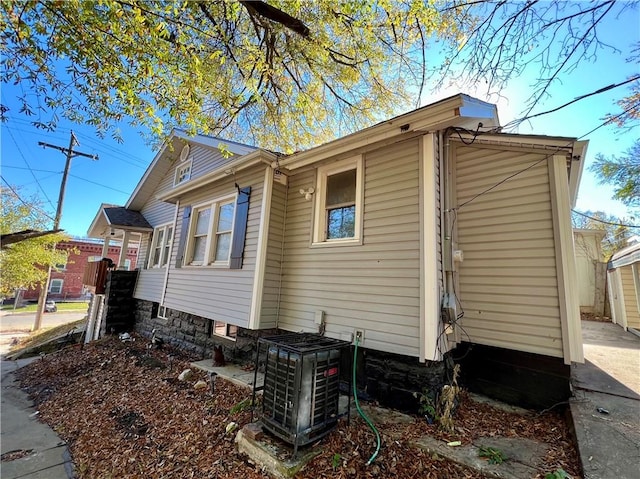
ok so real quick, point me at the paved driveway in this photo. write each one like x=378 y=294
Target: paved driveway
x=609 y=349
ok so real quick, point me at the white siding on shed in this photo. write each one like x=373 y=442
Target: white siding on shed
x=375 y=286
x=508 y=284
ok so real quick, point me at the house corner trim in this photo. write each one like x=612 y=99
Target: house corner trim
x=261 y=253
x=429 y=294
x=565 y=260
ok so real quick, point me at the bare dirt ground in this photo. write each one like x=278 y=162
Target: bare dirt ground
x=125 y=414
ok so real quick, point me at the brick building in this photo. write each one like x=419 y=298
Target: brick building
x=66 y=280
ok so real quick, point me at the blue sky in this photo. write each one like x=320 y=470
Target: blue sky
x=111 y=179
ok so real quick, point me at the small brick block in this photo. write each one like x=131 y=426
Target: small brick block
x=253 y=431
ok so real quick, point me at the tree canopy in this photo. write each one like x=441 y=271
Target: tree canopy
x=550 y=37
x=288 y=73
x=25 y=264
x=623 y=173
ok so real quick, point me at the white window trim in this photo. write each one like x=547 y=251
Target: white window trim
x=167 y=240
x=319 y=216
x=62 y=266
x=56 y=280
x=180 y=168
x=226 y=329
x=212 y=233
x=162 y=312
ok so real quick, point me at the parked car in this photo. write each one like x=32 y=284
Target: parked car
x=50 y=306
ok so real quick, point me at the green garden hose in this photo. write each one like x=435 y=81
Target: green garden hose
x=364 y=416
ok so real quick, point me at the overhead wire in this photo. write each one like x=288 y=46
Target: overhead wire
x=23 y=201
x=456 y=321
x=30 y=169
x=603 y=221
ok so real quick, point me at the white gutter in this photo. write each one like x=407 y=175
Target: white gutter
x=428 y=118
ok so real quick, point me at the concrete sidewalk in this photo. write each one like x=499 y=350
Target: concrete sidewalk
x=44 y=454
x=605 y=407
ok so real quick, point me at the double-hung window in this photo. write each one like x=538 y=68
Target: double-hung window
x=55 y=286
x=210 y=233
x=162 y=238
x=338 y=203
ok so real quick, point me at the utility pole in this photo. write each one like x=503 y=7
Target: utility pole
x=70 y=153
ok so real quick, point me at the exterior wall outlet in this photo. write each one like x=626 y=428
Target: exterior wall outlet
x=359 y=335
x=318 y=317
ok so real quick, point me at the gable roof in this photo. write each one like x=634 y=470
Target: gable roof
x=152 y=177
x=117 y=217
x=625 y=257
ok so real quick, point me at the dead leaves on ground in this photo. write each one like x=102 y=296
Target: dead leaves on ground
x=124 y=415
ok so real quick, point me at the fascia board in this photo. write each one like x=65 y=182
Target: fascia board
x=254 y=158
x=214 y=142
x=515 y=139
x=577 y=166
x=443 y=113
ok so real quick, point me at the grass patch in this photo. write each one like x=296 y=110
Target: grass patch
x=42 y=337
x=31 y=308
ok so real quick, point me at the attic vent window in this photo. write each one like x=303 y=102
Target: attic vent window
x=183 y=170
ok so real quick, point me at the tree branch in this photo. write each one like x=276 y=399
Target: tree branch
x=276 y=15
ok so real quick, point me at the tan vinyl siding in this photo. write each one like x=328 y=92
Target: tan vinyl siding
x=631 y=305
x=373 y=286
x=204 y=159
x=149 y=284
x=218 y=293
x=271 y=287
x=507 y=282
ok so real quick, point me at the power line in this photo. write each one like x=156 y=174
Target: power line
x=99 y=184
x=476 y=134
x=70 y=174
x=603 y=221
x=24 y=202
x=581 y=97
x=30 y=169
x=114 y=152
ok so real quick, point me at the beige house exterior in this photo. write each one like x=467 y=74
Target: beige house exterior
x=624 y=287
x=422 y=232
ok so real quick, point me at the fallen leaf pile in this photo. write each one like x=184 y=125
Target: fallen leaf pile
x=124 y=414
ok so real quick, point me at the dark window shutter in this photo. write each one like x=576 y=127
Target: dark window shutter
x=184 y=231
x=240 y=228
